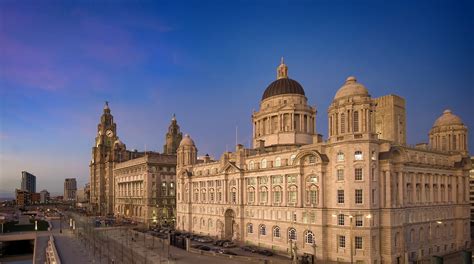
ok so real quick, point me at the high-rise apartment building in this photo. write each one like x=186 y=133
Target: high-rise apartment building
x=28 y=182
x=70 y=189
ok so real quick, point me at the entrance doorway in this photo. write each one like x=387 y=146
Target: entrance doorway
x=229 y=224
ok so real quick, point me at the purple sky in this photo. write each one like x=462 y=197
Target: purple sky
x=209 y=62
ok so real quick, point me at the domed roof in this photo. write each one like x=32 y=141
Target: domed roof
x=351 y=88
x=283 y=86
x=186 y=141
x=448 y=119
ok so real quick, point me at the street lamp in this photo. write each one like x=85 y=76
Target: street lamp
x=350 y=235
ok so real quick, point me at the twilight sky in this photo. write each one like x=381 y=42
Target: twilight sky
x=209 y=62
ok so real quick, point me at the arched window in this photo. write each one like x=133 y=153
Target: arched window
x=292 y=159
x=209 y=223
x=358 y=155
x=263 y=230
x=292 y=234
x=278 y=162
x=276 y=231
x=340 y=156
x=250 y=228
x=263 y=164
x=251 y=165
x=309 y=237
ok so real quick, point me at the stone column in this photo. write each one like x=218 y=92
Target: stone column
x=401 y=188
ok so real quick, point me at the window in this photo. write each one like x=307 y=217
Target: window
x=340 y=196
x=276 y=231
x=358 y=196
x=211 y=197
x=313 y=179
x=292 y=159
x=278 y=162
x=233 y=195
x=249 y=228
x=374 y=155
x=356 y=121
x=294 y=217
x=358 y=174
x=342 y=241
x=163 y=189
x=291 y=178
x=292 y=234
x=312 y=159
x=250 y=195
x=263 y=230
x=263 y=194
x=359 y=220
x=251 y=165
x=358 y=155
x=312 y=195
x=340 y=156
x=292 y=194
x=263 y=164
x=277 y=179
x=358 y=242
x=219 y=196
x=340 y=219
x=277 y=194
x=340 y=174
x=343 y=127
x=309 y=238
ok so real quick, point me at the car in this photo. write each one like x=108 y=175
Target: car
x=229 y=244
x=228 y=252
x=220 y=242
x=249 y=248
x=196 y=246
x=205 y=240
x=265 y=252
x=204 y=248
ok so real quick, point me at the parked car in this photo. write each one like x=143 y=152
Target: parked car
x=205 y=248
x=249 y=248
x=228 y=252
x=220 y=242
x=205 y=240
x=229 y=244
x=265 y=252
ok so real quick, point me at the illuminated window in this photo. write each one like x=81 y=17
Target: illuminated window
x=358 y=155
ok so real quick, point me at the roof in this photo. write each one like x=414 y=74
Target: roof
x=283 y=86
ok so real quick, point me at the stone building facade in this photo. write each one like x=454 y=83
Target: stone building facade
x=145 y=189
x=123 y=182
x=361 y=196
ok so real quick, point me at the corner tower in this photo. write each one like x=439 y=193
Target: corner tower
x=449 y=133
x=173 y=138
x=351 y=114
x=284 y=117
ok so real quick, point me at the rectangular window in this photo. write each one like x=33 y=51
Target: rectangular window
x=358 y=196
x=358 y=174
x=358 y=242
x=340 y=219
x=340 y=174
x=359 y=220
x=294 y=217
x=211 y=197
x=343 y=127
x=373 y=196
x=356 y=121
x=292 y=196
x=313 y=197
x=233 y=197
x=277 y=197
x=340 y=196
x=342 y=241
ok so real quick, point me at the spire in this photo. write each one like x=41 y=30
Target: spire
x=282 y=70
x=106 y=107
x=174 y=117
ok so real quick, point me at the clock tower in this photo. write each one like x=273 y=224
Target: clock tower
x=107 y=150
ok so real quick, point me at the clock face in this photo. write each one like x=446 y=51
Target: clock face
x=109 y=133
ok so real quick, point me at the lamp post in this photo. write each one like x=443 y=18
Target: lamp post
x=350 y=234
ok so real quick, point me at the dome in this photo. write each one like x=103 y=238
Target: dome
x=447 y=119
x=351 y=88
x=283 y=86
x=186 y=141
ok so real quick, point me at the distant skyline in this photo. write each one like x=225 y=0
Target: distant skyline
x=209 y=62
